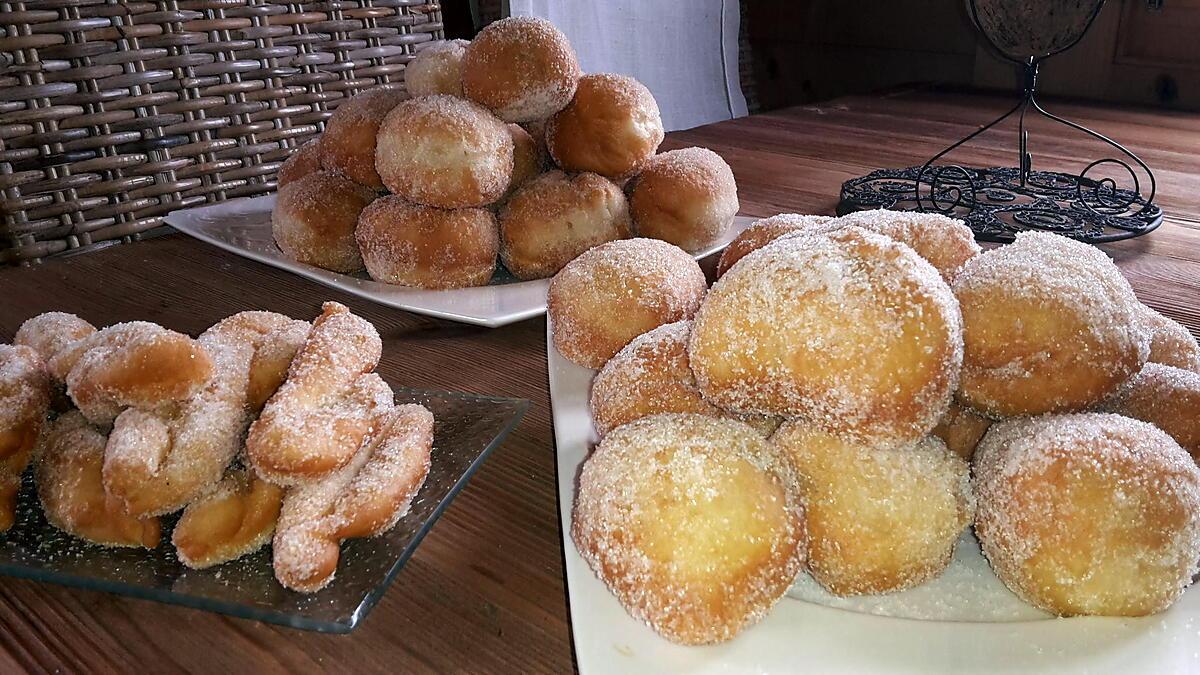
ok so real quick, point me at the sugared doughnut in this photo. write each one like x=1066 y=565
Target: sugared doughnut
x=133 y=365
x=52 y=332
x=436 y=69
x=522 y=68
x=314 y=217
x=413 y=245
x=879 y=519
x=947 y=243
x=1088 y=513
x=766 y=230
x=1171 y=343
x=529 y=157
x=961 y=429
x=617 y=291
x=851 y=330
x=275 y=339
x=1168 y=398
x=235 y=519
x=363 y=499
x=686 y=197
x=693 y=522
x=348 y=144
x=304 y=160
x=553 y=218
x=317 y=420
x=1049 y=325
x=24 y=402
x=611 y=127
x=444 y=151
x=69 y=486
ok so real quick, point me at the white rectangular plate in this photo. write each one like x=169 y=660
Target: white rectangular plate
x=985 y=630
x=243 y=226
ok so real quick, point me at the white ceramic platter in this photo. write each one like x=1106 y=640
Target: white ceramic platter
x=243 y=226
x=965 y=621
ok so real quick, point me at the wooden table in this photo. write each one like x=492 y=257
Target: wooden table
x=485 y=591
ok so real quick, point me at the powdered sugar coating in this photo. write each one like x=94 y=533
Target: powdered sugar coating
x=1168 y=398
x=555 y=217
x=1171 y=343
x=316 y=421
x=617 y=291
x=1050 y=325
x=1088 y=513
x=348 y=144
x=365 y=498
x=24 y=402
x=52 y=332
x=521 y=67
x=413 y=245
x=612 y=127
x=851 y=330
x=444 y=151
x=766 y=230
x=693 y=522
x=436 y=69
x=947 y=243
x=879 y=519
x=314 y=217
x=136 y=364
x=235 y=518
x=686 y=197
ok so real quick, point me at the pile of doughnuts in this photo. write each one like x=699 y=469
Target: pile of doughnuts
x=505 y=153
x=854 y=393
x=263 y=427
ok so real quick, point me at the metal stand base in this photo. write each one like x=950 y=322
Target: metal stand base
x=996 y=204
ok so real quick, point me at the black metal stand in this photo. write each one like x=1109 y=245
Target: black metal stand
x=999 y=202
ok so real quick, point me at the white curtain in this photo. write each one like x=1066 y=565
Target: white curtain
x=684 y=51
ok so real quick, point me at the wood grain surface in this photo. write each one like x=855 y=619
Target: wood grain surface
x=485 y=591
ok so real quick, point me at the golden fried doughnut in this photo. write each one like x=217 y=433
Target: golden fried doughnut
x=318 y=418
x=1049 y=325
x=413 y=245
x=693 y=522
x=436 y=69
x=275 y=339
x=947 y=243
x=1088 y=513
x=235 y=519
x=612 y=127
x=521 y=67
x=961 y=429
x=24 y=402
x=158 y=462
x=686 y=197
x=444 y=151
x=348 y=144
x=1168 y=398
x=304 y=160
x=70 y=457
x=363 y=499
x=555 y=217
x=879 y=519
x=529 y=158
x=651 y=375
x=50 y=333
x=615 y=292
x=133 y=365
x=314 y=217
x=766 y=230
x=850 y=330
x=1171 y=343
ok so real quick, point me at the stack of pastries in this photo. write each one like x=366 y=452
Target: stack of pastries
x=264 y=428
x=499 y=152
x=852 y=394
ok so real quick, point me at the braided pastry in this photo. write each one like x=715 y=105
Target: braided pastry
x=236 y=518
x=24 y=401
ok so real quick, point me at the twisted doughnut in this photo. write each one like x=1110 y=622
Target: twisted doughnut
x=24 y=402
x=236 y=518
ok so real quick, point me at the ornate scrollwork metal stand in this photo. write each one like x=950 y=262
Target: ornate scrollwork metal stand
x=998 y=202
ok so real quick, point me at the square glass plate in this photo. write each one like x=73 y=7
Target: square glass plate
x=963 y=622
x=243 y=227
x=466 y=428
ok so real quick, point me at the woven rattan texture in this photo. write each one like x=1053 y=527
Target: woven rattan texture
x=116 y=112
